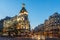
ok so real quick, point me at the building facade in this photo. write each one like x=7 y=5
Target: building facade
x=18 y=25
x=51 y=27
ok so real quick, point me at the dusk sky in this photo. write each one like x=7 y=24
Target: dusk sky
x=38 y=10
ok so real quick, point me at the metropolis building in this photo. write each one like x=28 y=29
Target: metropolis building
x=18 y=25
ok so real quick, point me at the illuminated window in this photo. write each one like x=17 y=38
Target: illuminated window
x=27 y=27
x=24 y=27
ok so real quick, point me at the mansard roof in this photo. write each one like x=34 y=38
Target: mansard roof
x=56 y=14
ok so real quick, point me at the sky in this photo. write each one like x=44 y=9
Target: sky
x=38 y=10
